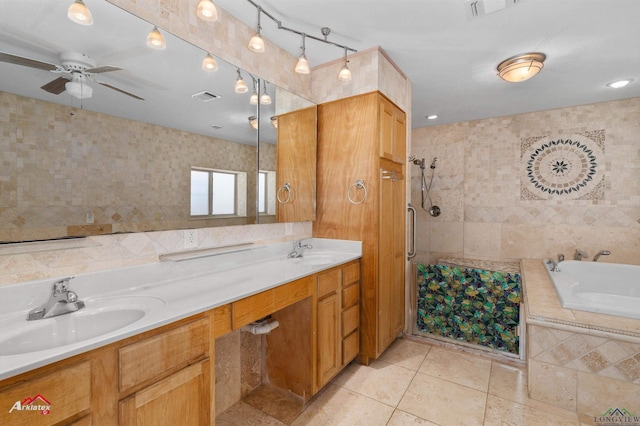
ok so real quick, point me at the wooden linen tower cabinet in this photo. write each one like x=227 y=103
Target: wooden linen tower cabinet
x=361 y=196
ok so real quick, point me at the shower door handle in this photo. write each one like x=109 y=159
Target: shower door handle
x=412 y=252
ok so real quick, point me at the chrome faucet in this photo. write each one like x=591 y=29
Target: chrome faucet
x=579 y=254
x=601 y=253
x=62 y=301
x=298 y=249
x=554 y=265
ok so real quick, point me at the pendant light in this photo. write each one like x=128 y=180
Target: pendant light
x=79 y=13
x=345 y=73
x=302 y=67
x=253 y=121
x=265 y=99
x=256 y=44
x=207 y=11
x=241 y=86
x=209 y=64
x=155 y=40
x=521 y=67
x=253 y=100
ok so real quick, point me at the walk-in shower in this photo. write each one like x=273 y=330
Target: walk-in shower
x=425 y=189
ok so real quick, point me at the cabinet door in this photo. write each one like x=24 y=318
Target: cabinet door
x=180 y=399
x=296 y=166
x=386 y=117
x=329 y=338
x=391 y=257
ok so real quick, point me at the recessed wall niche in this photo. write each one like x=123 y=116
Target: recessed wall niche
x=566 y=167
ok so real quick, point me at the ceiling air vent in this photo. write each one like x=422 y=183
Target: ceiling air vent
x=205 y=96
x=478 y=8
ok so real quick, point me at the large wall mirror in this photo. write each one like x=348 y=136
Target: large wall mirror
x=101 y=134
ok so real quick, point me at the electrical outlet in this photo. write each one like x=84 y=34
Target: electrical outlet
x=190 y=238
x=89 y=217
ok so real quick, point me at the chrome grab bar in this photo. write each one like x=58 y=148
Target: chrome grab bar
x=412 y=253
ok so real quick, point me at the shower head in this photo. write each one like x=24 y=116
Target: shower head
x=433 y=163
x=419 y=163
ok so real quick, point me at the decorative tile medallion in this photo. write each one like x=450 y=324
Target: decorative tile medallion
x=564 y=168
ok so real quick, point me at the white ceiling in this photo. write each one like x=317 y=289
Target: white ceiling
x=451 y=59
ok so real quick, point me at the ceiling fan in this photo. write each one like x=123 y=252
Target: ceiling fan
x=76 y=70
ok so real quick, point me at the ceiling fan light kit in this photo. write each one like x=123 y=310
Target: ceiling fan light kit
x=521 y=67
x=78 y=89
x=79 y=13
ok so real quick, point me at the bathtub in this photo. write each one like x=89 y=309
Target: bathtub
x=606 y=288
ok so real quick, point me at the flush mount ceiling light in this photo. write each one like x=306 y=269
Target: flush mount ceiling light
x=155 y=40
x=619 y=83
x=209 y=64
x=432 y=116
x=79 y=13
x=207 y=11
x=241 y=86
x=521 y=67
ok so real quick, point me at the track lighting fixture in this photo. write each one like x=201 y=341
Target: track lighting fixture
x=79 y=13
x=265 y=99
x=155 y=40
x=345 y=73
x=207 y=11
x=209 y=63
x=302 y=67
x=256 y=44
x=241 y=86
x=521 y=67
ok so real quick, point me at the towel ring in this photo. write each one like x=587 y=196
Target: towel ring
x=285 y=187
x=359 y=184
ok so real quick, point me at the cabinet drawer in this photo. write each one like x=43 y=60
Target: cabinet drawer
x=67 y=391
x=350 y=347
x=252 y=308
x=350 y=320
x=328 y=282
x=350 y=296
x=351 y=274
x=291 y=293
x=158 y=355
x=222 y=320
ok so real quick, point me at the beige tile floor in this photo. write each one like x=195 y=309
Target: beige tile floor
x=412 y=383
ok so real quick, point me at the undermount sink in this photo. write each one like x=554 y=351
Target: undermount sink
x=317 y=259
x=99 y=317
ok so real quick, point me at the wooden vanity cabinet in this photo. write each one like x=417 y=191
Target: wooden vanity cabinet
x=338 y=319
x=362 y=138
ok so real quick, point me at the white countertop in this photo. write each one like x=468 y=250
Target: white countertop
x=184 y=288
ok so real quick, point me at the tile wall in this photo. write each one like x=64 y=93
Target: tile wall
x=503 y=185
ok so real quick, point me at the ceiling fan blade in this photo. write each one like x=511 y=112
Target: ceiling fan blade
x=56 y=86
x=19 y=60
x=104 y=68
x=120 y=90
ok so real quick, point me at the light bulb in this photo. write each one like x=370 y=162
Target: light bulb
x=79 y=13
x=209 y=64
x=302 y=67
x=256 y=44
x=207 y=11
x=345 y=74
x=155 y=40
